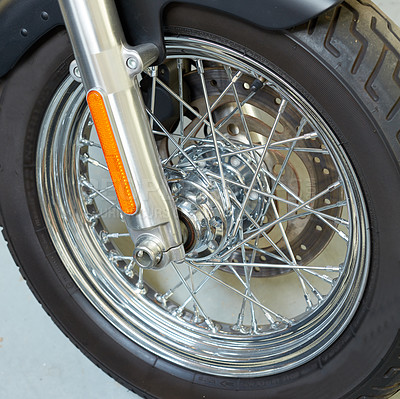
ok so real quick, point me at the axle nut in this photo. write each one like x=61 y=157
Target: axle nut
x=148 y=253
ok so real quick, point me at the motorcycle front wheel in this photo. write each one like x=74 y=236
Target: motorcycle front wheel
x=282 y=154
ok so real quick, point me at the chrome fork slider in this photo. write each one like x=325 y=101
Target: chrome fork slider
x=104 y=62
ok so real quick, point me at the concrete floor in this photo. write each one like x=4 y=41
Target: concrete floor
x=36 y=360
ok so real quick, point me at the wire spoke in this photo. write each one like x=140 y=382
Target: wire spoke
x=329 y=189
x=300 y=149
x=94 y=217
x=198 y=288
x=154 y=74
x=182 y=151
x=257 y=226
x=209 y=323
x=200 y=69
x=309 y=211
x=239 y=107
x=260 y=164
x=202 y=118
x=229 y=116
x=88 y=143
x=320 y=216
x=248 y=270
x=251 y=299
x=259 y=147
x=85 y=183
x=286 y=160
x=273 y=266
x=85 y=158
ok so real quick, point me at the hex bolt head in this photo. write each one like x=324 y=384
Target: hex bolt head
x=132 y=63
x=253 y=196
x=235 y=162
x=77 y=72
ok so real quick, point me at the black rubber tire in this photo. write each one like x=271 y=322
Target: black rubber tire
x=347 y=63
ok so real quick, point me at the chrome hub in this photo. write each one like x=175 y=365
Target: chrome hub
x=200 y=206
x=201 y=213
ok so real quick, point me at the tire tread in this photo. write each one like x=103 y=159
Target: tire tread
x=364 y=44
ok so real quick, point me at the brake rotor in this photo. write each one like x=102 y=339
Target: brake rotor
x=307 y=173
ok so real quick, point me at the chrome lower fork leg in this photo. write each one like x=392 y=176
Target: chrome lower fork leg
x=107 y=65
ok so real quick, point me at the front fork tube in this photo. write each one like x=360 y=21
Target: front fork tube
x=109 y=66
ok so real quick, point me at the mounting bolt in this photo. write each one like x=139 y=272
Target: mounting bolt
x=132 y=63
x=75 y=72
x=235 y=162
x=253 y=196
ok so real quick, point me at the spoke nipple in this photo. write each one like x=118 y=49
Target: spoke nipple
x=161 y=299
x=200 y=67
x=308 y=136
x=177 y=312
x=129 y=272
x=104 y=237
x=113 y=256
x=140 y=288
x=154 y=71
x=334 y=186
x=93 y=220
x=343 y=235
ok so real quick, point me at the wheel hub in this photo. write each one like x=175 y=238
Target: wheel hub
x=200 y=203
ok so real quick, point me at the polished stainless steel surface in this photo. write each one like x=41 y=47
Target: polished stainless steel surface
x=258 y=302
x=107 y=64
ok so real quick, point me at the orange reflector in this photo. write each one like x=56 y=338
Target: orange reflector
x=111 y=152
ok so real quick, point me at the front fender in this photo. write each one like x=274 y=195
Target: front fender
x=23 y=23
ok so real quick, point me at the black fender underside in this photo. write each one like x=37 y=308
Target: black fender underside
x=23 y=23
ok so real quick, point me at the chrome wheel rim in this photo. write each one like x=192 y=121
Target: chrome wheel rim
x=251 y=298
